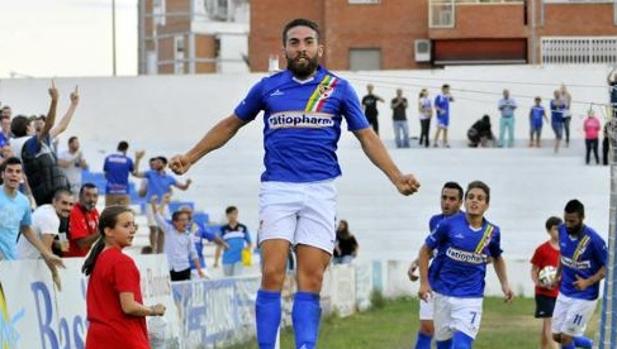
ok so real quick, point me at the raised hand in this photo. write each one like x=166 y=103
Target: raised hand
x=75 y=96
x=407 y=184
x=53 y=91
x=180 y=164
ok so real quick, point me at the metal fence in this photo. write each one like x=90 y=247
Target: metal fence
x=579 y=50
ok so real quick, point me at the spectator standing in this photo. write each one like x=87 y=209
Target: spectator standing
x=117 y=168
x=566 y=100
x=5 y=130
x=6 y=112
x=83 y=222
x=537 y=115
x=399 y=118
x=179 y=247
x=115 y=310
x=605 y=145
x=16 y=219
x=46 y=225
x=507 y=106
x=592 y=128
x=35 y=149
x=425 y=110
x=237 y=237
x=611 y=79
x=546 y=255
x=557 y=118
x=159 y=184
x=72 y=163
x=369 y=102
x=346 y=245
x=442 y=110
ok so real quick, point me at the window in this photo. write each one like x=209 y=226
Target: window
x=364 y=59
x=441 y=13
x=179 y=54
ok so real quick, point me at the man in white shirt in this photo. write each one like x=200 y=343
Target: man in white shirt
x=46 y=224
x=72 y=162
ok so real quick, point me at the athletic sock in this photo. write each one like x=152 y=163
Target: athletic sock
x=268 y=317
x=582 y=342
x=447 y=344
x=461 y=341
x=305 y=316
x=423 y=341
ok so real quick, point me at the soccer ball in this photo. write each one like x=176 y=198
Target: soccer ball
x=547 y=275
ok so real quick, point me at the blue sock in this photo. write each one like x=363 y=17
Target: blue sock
x=305 y=316
x=461 y=341
x=268 y=317
x=423 y=341
x=583 y=342
x=568 y=346
x=447 y=344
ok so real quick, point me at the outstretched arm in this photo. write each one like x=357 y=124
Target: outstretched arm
x=218 y=135
x=66 y=119
x=375 y=150
x=51 y=114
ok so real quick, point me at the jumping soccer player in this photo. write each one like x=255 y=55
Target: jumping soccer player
x=303 y=106
x=465 y=243
x=582 y=266
x=451 y=200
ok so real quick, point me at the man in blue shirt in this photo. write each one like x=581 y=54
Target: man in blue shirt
x=159 y=185
x=237 y=238
x=451 y=201
x=117 y=168
x=303 y=106
x=537 y=114
x=582 y=266
x=507 y=106
x=442 y=108
x=465 y=243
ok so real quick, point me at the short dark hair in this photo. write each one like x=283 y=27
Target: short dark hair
x=72 y=139
x=60 y=192
x=230 y=209
x=85 y=186
x=479 y=185
x=123 y=146
x=152 y=159
x=176 y=215
x=575 y=206
x=445 y=86
x=163 y=159
x=300 y=22
x=456 y=186
x=19 y=126
x=13 y=160
x=552 y=221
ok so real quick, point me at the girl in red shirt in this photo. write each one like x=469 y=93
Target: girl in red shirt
x=545 y=255
x=114 y=301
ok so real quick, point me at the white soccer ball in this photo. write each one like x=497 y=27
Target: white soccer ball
x=547 y=275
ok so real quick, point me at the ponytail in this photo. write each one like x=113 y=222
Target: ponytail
x=108 y=219
x=96 y=249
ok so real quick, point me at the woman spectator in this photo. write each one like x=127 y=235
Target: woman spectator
x=346 y=247
x=426 y=112
x=114 y=301
x=566 y=100
x=592 y=128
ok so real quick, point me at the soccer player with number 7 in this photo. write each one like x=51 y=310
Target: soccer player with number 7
x=465 y=244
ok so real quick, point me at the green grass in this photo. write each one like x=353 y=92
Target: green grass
x=395 y=325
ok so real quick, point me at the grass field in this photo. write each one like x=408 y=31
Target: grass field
x=394 y=327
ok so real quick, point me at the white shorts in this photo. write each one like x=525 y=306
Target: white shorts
x=454 y=314
x=426 y=309
x=301 y=213
x=150 y=215
x=571 y=315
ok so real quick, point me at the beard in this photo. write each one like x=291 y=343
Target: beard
x=575 y=230
x=305 y=69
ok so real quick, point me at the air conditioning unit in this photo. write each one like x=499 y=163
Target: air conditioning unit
x=422 y=50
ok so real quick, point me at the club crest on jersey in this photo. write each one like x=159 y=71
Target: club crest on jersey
x=300 y=119
x=321 y=93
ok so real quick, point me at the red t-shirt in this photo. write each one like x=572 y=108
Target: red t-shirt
x=82 y=223
x=546 y=255
x=114 y=272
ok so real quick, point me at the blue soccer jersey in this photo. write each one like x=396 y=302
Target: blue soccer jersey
x=442 y=102
x=433 y=224
x=463 y=254
x=302 y=123
x=235 y=237
x=581 y=257
x=556 y=112
x=117 y=168
x=536 y=115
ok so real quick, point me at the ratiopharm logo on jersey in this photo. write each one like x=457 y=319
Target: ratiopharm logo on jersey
x=300 y=119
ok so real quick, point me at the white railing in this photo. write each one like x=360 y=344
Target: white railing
x=579 y=50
